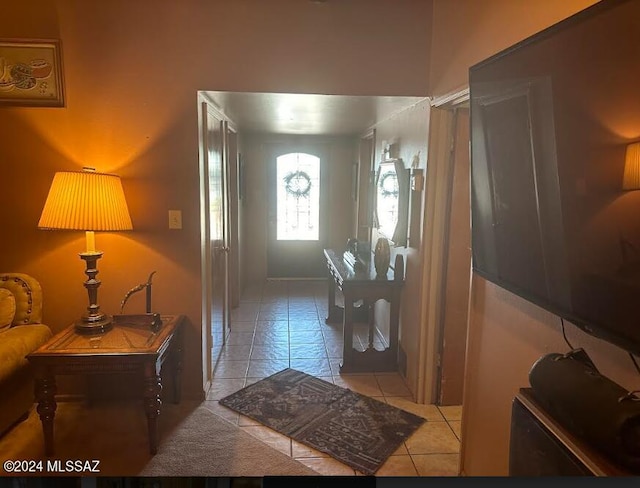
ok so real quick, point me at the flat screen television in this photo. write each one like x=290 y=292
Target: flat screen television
x=551 y=118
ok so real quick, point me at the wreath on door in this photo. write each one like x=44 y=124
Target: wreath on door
x=298 y=184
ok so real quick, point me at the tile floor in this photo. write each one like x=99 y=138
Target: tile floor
x=281 y=324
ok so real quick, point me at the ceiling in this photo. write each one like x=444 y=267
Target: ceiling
x=286 y=113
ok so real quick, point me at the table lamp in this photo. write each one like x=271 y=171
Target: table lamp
x=631 y=177
x=89 y=201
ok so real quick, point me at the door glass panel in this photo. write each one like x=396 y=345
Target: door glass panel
x=215 y=201
x=298 y=197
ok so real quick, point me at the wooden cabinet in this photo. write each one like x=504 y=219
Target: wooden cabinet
x=540 y=446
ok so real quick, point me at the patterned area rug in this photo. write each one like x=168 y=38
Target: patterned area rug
x=354 y=429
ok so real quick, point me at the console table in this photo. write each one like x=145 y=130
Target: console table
x=124 y=347
x=360 y=282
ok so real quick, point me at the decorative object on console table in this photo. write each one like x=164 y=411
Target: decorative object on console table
x=398 y=268
x=351 y=254
x=89 y=201
x=31 y=73
x=352 y=245
x=357 y=255
x=382 y=257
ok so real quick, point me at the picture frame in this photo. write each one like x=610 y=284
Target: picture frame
x=31 y=73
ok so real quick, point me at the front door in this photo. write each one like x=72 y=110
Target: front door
x=296 y=233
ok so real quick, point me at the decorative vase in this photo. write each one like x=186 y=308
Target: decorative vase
x=382 y=255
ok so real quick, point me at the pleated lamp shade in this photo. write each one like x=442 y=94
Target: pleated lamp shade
x=631 y=178
x=85 y=200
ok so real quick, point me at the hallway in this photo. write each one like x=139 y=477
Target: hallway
x=281 y=324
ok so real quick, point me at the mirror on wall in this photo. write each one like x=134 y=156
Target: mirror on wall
x=392 y=201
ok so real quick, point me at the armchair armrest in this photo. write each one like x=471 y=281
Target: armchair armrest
x=28 y=294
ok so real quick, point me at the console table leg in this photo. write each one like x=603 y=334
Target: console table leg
x=371 y=322
x=45 y=391
x=347 y=330
x=152 y=403
x=334 y=314
x=394 y=321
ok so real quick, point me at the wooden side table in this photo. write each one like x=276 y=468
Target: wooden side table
x=123 y=348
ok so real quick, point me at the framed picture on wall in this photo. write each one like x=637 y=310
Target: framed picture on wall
x=31 y=73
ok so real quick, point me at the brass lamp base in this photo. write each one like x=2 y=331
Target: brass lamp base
x=94 y=325
x=93 y=321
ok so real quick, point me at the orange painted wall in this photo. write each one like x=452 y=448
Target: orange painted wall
x=132 y=71
x=506 y=333
x=468 y=31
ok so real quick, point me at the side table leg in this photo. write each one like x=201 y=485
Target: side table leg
x=152 y=403
x=45 y=391
x=177 y=371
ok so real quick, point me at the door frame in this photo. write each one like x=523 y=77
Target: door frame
x=438 y=194
x=363 y=219
x=232 y=154
x=452 y=333
x=206 y=106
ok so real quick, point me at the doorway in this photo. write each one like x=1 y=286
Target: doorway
x=215 y=208
x=296 y=231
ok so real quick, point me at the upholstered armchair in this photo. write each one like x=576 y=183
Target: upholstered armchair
x=21 y=332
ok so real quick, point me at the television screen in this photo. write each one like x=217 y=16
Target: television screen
x=551 y=118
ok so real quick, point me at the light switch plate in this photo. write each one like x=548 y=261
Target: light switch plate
x=175 y=219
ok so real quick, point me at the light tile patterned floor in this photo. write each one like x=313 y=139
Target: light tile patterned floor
x=281 y=324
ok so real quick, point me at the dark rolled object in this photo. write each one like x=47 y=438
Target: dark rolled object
x=589 y=405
